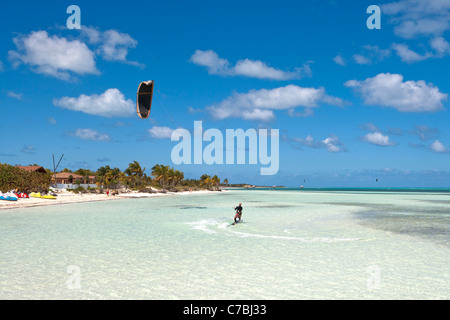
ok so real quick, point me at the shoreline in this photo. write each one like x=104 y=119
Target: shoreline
x=70 y=197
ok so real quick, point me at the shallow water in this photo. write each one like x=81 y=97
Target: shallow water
x=292 y=245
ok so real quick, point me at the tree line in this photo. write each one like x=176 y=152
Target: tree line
x=12 y=177
x=135 y=177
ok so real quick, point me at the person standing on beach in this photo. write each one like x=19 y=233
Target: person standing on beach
x=238 y=213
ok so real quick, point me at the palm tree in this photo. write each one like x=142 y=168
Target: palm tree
x=135 y=173
x=112 y=177
x=171 y=178
x=85 y=173
x=147 y=179
x=205 y=180
x=179 y=175
x=101 y=175
x=160 y=174
x=215 y=181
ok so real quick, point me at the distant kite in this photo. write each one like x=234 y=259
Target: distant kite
x=144 y=99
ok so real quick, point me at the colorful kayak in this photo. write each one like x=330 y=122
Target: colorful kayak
x=8 y=196
x=21 y=195
x=38 y=195
x=48 y=196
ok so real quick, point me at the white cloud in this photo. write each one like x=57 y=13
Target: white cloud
x=331 y=144
x=51 y=120
x=360 y=59
x=407 y=55
x=438 y=147
x=371 y=54
x=418 y=18
x=378 y=139
x=339 y=60
x=192 y=110
x=371 y=127
x=245 y=67
x=260 y=104
x=440 y=45
x=29 y=149
x=90 y=134
x=306 y=112
x=14 y=95
x=112 y=45
x=258 y=69
x=258 y=114
x=211 y=60
x=424 y=133
x=389 y=90
x=161 y=132
x=111 y=103
x=411 y=28
x=52 y=55
x=308 y=141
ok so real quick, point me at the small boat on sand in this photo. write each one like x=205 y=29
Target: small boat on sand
x=8 y=196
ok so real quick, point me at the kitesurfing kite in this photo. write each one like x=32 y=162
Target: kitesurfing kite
x=144 y=99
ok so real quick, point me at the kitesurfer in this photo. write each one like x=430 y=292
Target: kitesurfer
x=238 y=216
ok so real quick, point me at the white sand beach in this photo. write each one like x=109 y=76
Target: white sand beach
x=70 y=197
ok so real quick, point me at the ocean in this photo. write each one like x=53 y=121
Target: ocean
x=293 y=244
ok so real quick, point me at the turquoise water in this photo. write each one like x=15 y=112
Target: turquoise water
x=308 y=244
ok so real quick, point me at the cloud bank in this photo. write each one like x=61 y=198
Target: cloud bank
x=379 y=139
x=415 y=18
x=90 y=134
x=245 y=67
x=161 y=132
x=389 y=90
x=111 y=44
x=331 y=143
x=260 y=104
x=52 y=55
x=111 y=103
x=62 y=58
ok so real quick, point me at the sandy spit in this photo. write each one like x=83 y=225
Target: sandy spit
x=69 y=197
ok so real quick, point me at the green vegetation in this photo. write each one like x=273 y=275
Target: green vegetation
x=161 y=177
x=12 y=177
x=134 y=177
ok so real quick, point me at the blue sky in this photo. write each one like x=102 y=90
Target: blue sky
x=351 y=104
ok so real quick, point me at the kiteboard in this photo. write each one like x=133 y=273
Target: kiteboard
x=144 y=99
